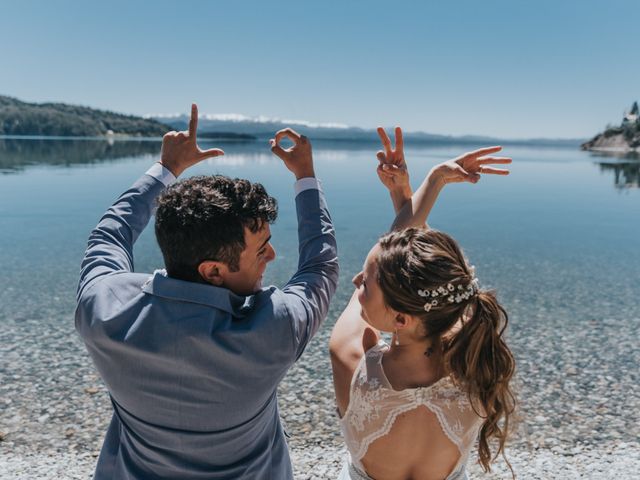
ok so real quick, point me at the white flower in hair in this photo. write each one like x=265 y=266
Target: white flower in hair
x=451 y=292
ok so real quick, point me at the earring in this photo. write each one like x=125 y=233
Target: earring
x=396 y=342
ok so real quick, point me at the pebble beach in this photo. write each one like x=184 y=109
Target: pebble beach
x=577 y=418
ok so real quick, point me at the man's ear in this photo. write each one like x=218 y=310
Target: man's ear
x=212 y=272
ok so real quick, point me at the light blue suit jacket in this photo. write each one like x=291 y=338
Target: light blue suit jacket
x=192 y=369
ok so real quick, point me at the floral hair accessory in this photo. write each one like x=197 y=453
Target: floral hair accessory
x=449 y=293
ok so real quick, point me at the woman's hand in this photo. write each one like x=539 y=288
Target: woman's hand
x=392 y=168
x=469 y=166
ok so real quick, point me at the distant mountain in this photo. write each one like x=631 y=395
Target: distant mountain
x=60 y=119
x=264 y=127
x=623 y=138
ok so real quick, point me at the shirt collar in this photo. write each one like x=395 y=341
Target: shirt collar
x=161 y=285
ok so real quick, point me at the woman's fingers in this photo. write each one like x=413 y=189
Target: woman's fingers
x=497 y=160
x=382 y=158
x=481 y=152
x=383 y=172
x=459 y=174
x=399 y=140
x=386 y=143
x=493 y=171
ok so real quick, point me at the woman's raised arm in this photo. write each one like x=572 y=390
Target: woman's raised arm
x=466 y=168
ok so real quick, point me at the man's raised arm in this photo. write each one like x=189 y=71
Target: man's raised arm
x=110 y=246
x=311 y=288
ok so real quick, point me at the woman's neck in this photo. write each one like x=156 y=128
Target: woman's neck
x=413 y=362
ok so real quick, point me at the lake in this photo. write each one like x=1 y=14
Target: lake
x=558 y=239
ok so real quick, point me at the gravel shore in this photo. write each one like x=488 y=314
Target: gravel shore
x=580 y=424
x=578 y=416
x=319 y=463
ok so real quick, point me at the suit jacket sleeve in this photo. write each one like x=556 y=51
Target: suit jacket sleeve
x=311 y=288
x=110 y=246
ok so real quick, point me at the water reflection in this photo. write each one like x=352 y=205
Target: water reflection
x=17 y=154
x=625 y=168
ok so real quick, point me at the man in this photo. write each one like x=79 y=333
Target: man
x=192 y=356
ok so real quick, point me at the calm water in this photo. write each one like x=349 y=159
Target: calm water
x=558 y=238
x=559 y=234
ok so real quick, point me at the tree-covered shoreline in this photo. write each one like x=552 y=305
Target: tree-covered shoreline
x=60 y=119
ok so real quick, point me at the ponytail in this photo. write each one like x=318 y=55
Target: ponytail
x=416 y=261
x=478 y=357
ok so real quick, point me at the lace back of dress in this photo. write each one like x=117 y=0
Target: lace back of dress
x=374 y=407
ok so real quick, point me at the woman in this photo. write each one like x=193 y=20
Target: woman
x=447 y=353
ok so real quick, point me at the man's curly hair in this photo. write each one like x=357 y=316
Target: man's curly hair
x=203 y=218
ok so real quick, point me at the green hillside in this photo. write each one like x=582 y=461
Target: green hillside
x=59 y=119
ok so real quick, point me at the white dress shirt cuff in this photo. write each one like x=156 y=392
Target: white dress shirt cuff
x=161 y=173
x=307 y=183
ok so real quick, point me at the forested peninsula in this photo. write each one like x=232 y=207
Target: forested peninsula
x=622 y=138
x=60 y=119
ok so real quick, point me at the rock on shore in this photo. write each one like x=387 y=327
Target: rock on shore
x=623 y=139
x=612 y=141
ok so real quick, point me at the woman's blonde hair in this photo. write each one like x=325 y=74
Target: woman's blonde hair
x=469 y=327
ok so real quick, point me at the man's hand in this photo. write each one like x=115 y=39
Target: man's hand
x=180 y=150
x=392 y=168
x=469 y=166
x=298 y=158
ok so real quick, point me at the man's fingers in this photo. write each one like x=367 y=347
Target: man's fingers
x=212 y=152
x=399 y=140
x=386 y=143
x=493 y=171
x=496 y=160
x=193 y=123
x=289 y=133
x=278 y=150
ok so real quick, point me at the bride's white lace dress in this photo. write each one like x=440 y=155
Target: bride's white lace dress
x=374 y=406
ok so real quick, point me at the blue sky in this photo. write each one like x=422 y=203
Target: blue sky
x=511 y=69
